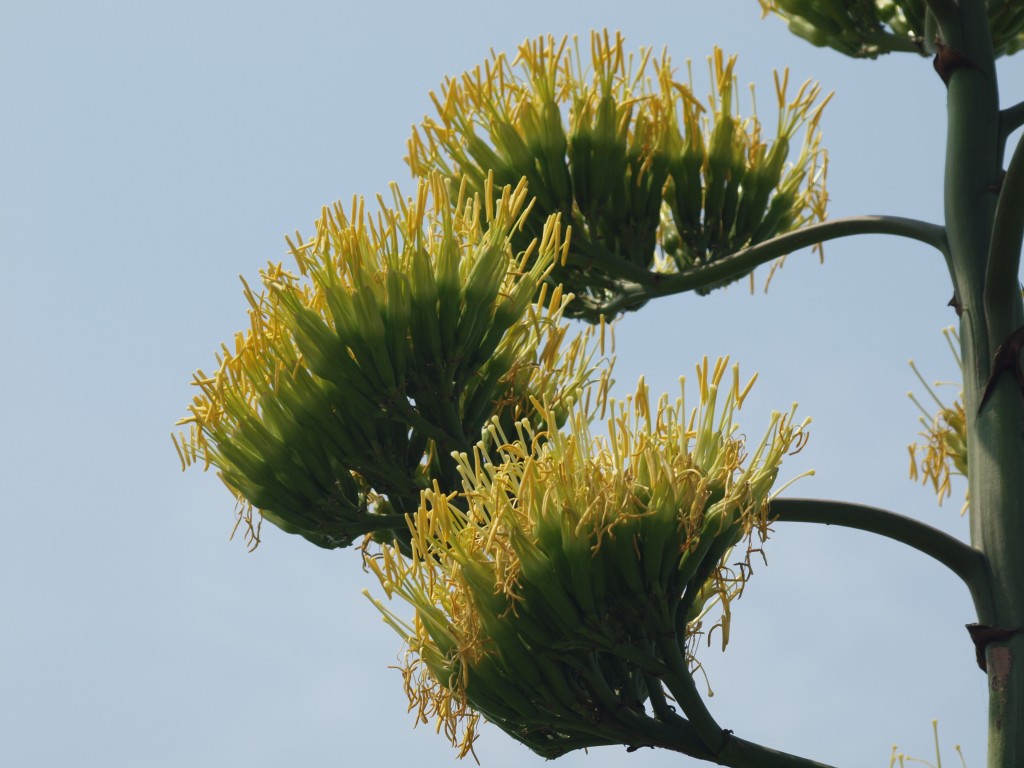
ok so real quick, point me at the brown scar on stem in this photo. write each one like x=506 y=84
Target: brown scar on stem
x=1002 y=665
x=982 y=635
x=948 y=60
x=956 y=305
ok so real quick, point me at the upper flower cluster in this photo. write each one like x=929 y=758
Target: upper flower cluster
x=621 y=149
x=397 y=340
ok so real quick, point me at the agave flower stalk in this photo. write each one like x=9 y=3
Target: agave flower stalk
x=606 y=143
x=873 y=27
x=561 y=592
x=392 y=345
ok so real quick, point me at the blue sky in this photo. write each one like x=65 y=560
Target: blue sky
x=151 y=153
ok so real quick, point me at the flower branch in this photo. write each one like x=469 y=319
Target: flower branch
x=965 y=561
x=1010 y=119
x=748 y=259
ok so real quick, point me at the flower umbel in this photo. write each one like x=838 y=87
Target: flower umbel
x=561 y=593
x=729 y=186
x=398 y=338
x=606 y=141
x=944 y=453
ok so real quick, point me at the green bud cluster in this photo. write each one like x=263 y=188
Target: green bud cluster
x=869 y=28
x=607 y=146
x=561 y=593
x=398 y=339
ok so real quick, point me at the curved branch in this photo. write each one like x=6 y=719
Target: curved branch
x=1002 y=284
x=739 y=753
x=727 y=749
x=1010 y=119
x=965 y=561
x=743 y=262
x=610 y=263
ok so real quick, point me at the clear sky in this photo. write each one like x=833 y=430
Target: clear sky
x=152 y=152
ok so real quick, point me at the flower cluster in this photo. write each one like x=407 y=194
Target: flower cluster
x=623 y=151
x=728 y=187
x=944 y=453
x=869 y=28
x=397 y=340
x=559 y=594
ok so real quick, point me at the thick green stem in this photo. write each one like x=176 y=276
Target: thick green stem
x=1010 y=119
x=977 y=131
x=745 y=261
x=947 y=17
x=965 y=561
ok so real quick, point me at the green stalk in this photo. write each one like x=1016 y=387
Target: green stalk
x=654 y=285
x=965 y=561
x=995 y=432
x=726 y=748
x=1010 y=120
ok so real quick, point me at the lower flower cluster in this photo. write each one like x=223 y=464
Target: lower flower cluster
x=561 y=593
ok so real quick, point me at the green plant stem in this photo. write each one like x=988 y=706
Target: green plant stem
x=725 y=748
x=1010 y=119
x=680 y=683
x=890 y=43
x=1002 y=286
x=947 y=15
x=965 y=561
x=741 y=263
x=739 y=753
x=595 y=254
x=995 y=433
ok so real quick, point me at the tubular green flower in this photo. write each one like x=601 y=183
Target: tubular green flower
x=606 y=144
x=573 y=572
x=869 y=28
x=394 y=344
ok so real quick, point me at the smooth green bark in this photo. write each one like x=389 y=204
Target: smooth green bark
x=989 y=298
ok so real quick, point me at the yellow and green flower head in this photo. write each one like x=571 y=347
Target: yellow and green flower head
x=606 y=140
x=396 y=340
x=561 y=593
x=729 y=186
x=869 y=28
x=944 y=453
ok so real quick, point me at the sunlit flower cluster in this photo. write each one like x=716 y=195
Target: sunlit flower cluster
x=628 y=156
x=560 y=593
x=728 y=186
x=396 y=340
